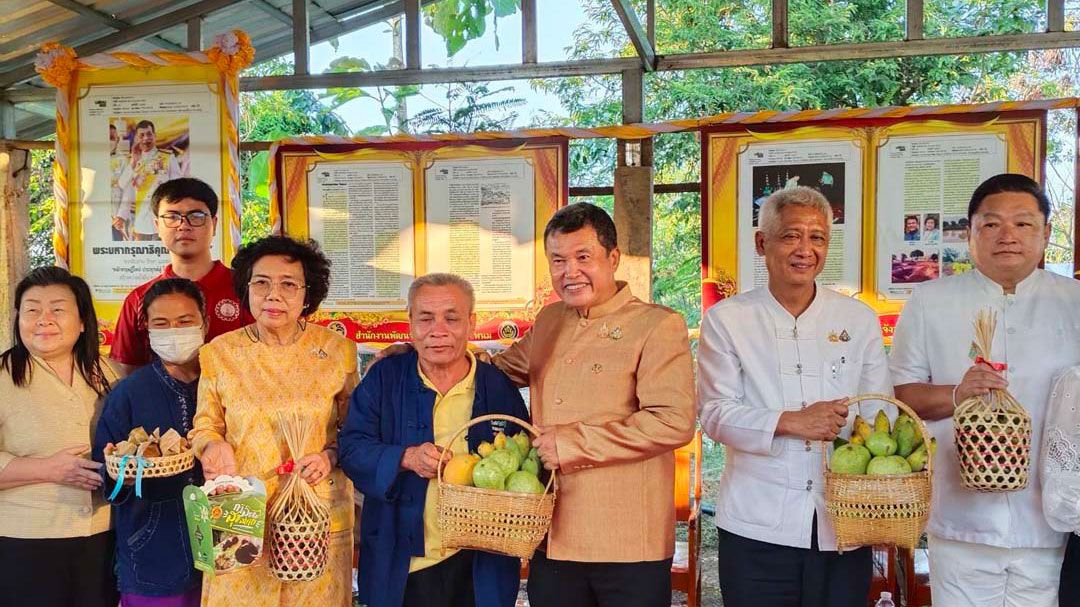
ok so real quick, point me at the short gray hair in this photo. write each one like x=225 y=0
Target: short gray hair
x=799 y=196
x=441 y=279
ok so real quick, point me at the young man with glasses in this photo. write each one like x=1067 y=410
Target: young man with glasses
x=185 y=216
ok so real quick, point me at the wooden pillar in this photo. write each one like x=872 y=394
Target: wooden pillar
x=633 y=193
x=301 y=38
x=14 y=230
x=412 y=34
x=194 y=34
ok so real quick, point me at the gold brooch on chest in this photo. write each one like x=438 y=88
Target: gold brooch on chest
x=613 y=333
x=844 y=337
x=596 y=368
x=834 y=337
x=319 y=353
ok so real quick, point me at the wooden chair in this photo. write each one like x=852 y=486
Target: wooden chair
x=916 y=576
x=686 y=566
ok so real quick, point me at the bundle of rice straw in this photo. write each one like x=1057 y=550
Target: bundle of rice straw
x=993 y=432
x=298 y=519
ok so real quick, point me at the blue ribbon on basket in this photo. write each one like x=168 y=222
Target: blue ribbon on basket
x=140 y=464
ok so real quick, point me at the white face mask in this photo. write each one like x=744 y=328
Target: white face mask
x=176 y=346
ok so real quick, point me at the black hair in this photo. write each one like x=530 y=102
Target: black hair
x=307 y=252
x=180 y=188
x=173 y=286
x=146 y=124
x=1009 y=182
x=574 y=217
x=16 y=359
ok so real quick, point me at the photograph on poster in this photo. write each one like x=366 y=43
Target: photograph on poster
x=955 y=260
x=144 y=152
x=954 y=228
x=931 y=228
x=132 y=138
x=827 y=178
x=911 y=228
x=916 y=265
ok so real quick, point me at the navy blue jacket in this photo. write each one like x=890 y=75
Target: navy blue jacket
x=153 y=552
x=392 y=410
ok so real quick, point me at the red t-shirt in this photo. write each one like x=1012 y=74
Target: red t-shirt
x=131 y=342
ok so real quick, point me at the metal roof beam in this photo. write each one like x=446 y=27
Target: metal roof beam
x=638 y=36
x=131 y=34
x=111 y=21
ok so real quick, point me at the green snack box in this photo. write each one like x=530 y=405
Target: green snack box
x=225 y=519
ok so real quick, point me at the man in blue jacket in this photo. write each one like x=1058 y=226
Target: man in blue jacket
x=401 y=418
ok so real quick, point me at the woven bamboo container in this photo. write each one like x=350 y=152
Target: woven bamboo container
x=503 y=522
x=881 y=509
x=298 y=519
x=153 y=467
x=992 y=432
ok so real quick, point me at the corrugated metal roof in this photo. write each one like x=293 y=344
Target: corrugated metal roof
x=27 y=24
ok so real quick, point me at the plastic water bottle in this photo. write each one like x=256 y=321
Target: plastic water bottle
x=885 y=600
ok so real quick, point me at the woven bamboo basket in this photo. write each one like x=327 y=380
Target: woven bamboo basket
x=298 y=519
x=882 y=509
x=993 y=432
x=153 y=467
x=503 y=522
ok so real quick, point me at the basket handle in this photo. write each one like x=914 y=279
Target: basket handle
x=919 y=423
x=489 y=417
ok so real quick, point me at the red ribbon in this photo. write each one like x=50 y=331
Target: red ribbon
x=286 y=468
x=999 y=367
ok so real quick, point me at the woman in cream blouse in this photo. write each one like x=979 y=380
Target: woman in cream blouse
x=55 y=543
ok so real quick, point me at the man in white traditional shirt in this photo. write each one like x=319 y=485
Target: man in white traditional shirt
x=776 y=365
x=148 y=168
x=990 y=549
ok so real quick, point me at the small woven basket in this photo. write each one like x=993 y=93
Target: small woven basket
x=880 y=509
x=299 y=520
x=503 y=522
x=153 y=467
x=992 y=432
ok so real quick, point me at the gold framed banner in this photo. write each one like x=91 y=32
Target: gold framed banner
x=127 y=122
x=898 y=180
x=387 y=212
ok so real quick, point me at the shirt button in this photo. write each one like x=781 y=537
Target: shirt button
x=583 y=323
x=85 y=510
x=798 y=369
x=809 y=485
x=569 y=361
x=558 y=401
x=804 y=404
x=807 y=447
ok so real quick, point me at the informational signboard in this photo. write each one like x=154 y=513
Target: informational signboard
x=126 y=123
x=385 y=213
x=899 y=189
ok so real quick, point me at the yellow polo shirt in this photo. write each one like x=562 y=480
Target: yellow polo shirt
x=452 y=411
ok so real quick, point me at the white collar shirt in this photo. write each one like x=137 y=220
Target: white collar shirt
x=755 y=361
x=1038 y=337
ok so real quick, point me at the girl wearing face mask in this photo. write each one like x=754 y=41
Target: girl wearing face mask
x=153 y=552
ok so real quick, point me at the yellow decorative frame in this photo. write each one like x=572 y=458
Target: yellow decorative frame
x=1024 y=131
x=218 y=67
x=291 y=159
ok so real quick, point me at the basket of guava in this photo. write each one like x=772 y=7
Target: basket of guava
x=494 y=500
x=877 y=481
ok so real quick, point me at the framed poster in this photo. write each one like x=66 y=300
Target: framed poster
x=386 y=212
x=898 y=180
x=126 y=123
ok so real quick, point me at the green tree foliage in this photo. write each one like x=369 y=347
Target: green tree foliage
x=268 y=116
x=686 y=26
x=459 y=21
x=42 y=206
x=469 y=107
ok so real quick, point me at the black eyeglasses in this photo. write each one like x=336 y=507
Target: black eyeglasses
x=195 y=219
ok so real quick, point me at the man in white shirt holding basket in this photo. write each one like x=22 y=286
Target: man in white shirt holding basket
x=777 y=365
x=990 y=547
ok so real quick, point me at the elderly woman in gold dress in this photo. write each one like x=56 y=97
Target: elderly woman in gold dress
x=279 y=363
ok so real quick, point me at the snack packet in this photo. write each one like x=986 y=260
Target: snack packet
x=225 y=519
